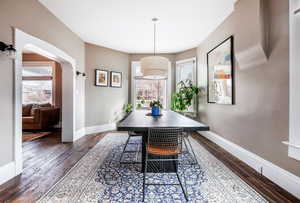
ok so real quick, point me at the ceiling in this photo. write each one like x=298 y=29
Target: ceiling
x=126 y=25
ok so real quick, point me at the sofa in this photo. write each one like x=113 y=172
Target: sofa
x=39 y=116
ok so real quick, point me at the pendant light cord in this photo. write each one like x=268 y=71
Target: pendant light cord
x=154 y=33
x=154 y=38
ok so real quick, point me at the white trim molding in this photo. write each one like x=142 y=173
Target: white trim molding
x=29 y=42
x=100 y=128
x=294 y=150
x=291 y=145
x=79 y=133
x=281 y=177
x=294 y=82
x=7 y=172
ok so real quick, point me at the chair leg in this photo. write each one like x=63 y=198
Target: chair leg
x=144 y=178
x=186 y=147
x=124 y=148
x=195 y=159
x=183 y=190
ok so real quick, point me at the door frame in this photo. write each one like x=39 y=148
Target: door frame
x=68 y=65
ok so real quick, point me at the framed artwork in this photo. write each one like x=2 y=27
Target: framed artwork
x=115 y=79
x=101 y=78
x=220 y=73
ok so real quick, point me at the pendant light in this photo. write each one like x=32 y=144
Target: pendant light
x=154 y=67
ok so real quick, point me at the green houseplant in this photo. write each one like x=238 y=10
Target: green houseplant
x=182 y=99
x=128 y=108
x=155 y=103
x=140 y=103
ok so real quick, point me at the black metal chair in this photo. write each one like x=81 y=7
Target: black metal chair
x=131 y=134
x=163 y=150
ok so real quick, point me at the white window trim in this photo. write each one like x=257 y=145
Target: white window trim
x=195 y=75
x=133 y=83
x=193 y=59
x=294 y=108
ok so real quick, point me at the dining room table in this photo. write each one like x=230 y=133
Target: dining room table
x=140 y=121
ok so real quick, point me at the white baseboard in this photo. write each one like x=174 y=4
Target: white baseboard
x=281 y=177
x=94 y=129
x=79 y=133
x=7 y=172
x=100 y=128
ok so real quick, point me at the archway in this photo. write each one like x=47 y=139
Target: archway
x=68 y=64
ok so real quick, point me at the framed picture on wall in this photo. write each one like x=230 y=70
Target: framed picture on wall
x=115 y=79
x=101 y=78
x=220 y=73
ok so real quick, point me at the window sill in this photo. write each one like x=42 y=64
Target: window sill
x=294 y=150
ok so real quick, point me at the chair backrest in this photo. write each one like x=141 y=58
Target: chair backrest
x=168 y=138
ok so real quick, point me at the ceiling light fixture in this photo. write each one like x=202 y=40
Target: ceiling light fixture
x=154 y=67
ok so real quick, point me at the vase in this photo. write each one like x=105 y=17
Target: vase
x=155 y=111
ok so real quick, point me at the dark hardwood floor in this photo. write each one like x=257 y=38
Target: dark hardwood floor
x=260 y=183
x=46 y=160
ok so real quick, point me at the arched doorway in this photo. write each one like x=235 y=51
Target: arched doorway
x=68 y=64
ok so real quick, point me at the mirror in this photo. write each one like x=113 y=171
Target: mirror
x=220 y=73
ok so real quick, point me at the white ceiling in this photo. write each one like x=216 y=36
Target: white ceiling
x=126 y=25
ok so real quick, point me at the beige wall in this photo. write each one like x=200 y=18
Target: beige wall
x=190 y=53
x=259 y=120
x=104 y=104
x=31 y=17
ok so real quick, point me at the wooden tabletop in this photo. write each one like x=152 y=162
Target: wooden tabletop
x=140 y=121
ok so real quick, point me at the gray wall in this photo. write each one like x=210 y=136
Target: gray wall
x=259 y=120
x=104 y=104
x=33 y=18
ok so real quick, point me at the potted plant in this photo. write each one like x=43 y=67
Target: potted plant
x=182 y=99
x=155 y=107
x=128 y=108
x=140 y=103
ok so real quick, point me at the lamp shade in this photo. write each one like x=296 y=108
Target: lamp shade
x=154 y=66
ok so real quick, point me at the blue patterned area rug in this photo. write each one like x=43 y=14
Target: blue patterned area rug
x=99 y=177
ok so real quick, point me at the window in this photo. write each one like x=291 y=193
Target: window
x=187 y=70
x=145 y=90
x=37 y=83
x=149 y=90
x=37 y=91
x=294 y=114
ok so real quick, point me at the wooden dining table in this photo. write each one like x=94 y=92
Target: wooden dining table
x=141 y=120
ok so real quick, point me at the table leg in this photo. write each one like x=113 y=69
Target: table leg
x=144 y=140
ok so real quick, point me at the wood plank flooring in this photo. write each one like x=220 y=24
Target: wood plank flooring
x=260 y=183
x=46 y=160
